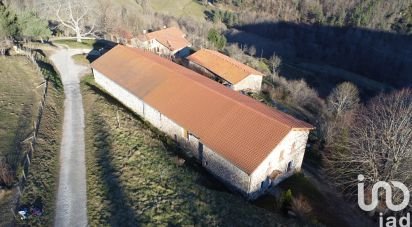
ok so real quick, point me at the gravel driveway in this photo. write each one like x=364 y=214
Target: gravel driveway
x=71 y=209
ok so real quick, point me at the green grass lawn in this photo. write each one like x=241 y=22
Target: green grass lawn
x=72 y=43
x=190 y=8
x=133 y=177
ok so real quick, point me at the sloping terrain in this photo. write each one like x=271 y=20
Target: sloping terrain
x=136 y=178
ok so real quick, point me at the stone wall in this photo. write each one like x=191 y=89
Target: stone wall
x=228 y=173
x=252 y=82
x=291 y=149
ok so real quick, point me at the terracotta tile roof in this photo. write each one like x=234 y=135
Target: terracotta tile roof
x=222 y=65
x=240 y=129
x=172 y=38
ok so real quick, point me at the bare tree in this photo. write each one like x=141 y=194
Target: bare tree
x=378 y=145
x=74 y=15
x=344 y=98
x=252 y=51
x=275 y=62
x=107 y=17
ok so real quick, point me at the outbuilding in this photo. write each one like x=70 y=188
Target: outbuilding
x=226 y=70
x=244 y=143
x=167 y=42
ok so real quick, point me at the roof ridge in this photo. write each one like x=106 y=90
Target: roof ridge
x=228 y=97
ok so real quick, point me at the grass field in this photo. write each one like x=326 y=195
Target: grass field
x=18 y=92
x=19 y=101
x=41 y=184
x=133 y=177
x=180 y=8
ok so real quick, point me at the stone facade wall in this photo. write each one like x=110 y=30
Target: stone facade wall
x=156 y=47
x=252 y=82
x=291 y=149
x=228 y=173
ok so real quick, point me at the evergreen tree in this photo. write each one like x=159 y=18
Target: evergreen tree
x=8 y=23
x=33 y=27
x=218 y=40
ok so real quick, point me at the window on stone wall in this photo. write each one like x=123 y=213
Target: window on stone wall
x=290 y=166
x=185 y=134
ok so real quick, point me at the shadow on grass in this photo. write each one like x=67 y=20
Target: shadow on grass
x=47 y=69
x=206 y=179
x=197 y=197
x=322 y=210
x=119 y=208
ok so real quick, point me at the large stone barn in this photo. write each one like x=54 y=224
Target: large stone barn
x=244 y=143
x=167 y=42
x=226 y=70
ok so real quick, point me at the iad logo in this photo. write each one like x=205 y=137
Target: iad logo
x=388 y=193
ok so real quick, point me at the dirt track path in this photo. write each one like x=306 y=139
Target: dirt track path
x=71 y=209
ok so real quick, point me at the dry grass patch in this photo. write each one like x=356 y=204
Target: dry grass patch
x=19 y=99
x=81 y=59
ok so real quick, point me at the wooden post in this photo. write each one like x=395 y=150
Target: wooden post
x=18 y=190
x=24 y=174
x=12 y=211
x=31 y=148
x=28 y=158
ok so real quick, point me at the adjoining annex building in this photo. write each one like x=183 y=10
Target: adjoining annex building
x=226 y=70
x=244 y=143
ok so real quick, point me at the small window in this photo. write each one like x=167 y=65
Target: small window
x=185 y=134
x=290 y=166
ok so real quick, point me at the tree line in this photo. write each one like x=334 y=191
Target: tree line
x=383 y=15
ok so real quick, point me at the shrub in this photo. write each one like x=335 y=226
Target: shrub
x=301 y=207
x=218 y=40
x=285 y=200
x=6 y=174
